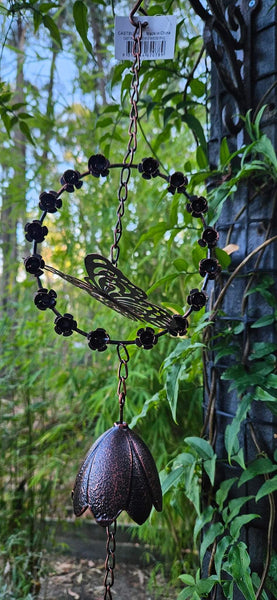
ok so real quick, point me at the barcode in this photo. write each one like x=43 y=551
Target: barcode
x=152 y=48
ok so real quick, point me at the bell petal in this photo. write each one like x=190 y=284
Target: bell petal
x=140 y=499
x=145 y=485
x=80 y=490
x=110 y=477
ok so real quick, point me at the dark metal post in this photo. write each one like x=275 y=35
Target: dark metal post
x=241 y=40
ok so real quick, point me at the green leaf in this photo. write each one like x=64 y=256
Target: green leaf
x=232 y=430
x=187 y=593
x=260 y=466
x=233 y=508
x=148 y=405
x=187 y=579
x=44 y=7
x=155 y=233
x=224 y=152
x=238 y=456
x=201 y=447
x=195 y=125
x=221 y=551
x=80 y=18
x=223 y=258
x=226 y=351
x=239 y=522
x=167 y=114
x=261 y=349
x=201 y=157
x=197 y=87
x=204 y=586
x=37 y=19
x=172 y=387
x=264 y=395
x=263 y=321
x=264 y=145
x=180 y=264
x=267 y=488
x=209 y=466
x=197 y=254
x=23 y=116
x=26 y=131
x=238 y=567
x=215 y=530
x=223 y=491
x=257 y=122
x=7 y=122
x=161 y=282
x=50 y=24
x=172 y=479
x=104 y=122
x=204 y=518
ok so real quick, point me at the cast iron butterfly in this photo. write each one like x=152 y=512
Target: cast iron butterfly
x=108 y=285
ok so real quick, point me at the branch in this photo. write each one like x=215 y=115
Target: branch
x=237 y=270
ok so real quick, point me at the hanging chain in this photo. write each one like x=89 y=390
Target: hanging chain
x=123 y=356
x=132 y=144
x=110 y=560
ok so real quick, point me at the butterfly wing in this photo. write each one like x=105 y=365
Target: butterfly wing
x=108 y=285
x=92 y=290
x=129 y=299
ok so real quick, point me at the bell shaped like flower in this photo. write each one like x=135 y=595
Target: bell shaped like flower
x=118 y=473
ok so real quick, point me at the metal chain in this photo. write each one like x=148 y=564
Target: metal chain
x=110 y=560
x=132 y=144
x=123 y=356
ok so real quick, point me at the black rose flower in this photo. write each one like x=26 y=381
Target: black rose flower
x=35 y=231
x=49 y=202
x=70 y=180
x=98 y=339
x=118 y=474
x=178 y=182
x=209 y=238
x=197 y=299
x=98 y=165
x=65 y=325
x=210 y=267
x=34 y=264
x=178 y=325
x=146 y=338
x=45 y=299
x=149 y=167
x=197 y=206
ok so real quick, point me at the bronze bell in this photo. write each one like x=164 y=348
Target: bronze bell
x=118 y=473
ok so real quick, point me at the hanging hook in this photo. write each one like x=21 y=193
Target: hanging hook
x=134 y=10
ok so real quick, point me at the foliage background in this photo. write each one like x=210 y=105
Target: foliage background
x=63 y=98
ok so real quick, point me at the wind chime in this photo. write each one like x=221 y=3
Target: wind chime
x=119 y=472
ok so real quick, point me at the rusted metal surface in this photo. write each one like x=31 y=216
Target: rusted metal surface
x=118 y=473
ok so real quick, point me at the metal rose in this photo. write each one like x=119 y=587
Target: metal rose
x=118 y=473
x=149 y=167
x=98 y=165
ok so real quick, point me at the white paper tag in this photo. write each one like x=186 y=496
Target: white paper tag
x=158 y=37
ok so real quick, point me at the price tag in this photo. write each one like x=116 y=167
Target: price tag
x=158 y=37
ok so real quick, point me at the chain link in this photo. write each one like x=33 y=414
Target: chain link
x=122 y=351
x=110 y=560
x=132 y=143
x=123 y=356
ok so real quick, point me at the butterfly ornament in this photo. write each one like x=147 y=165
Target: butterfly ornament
x=107 y=284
